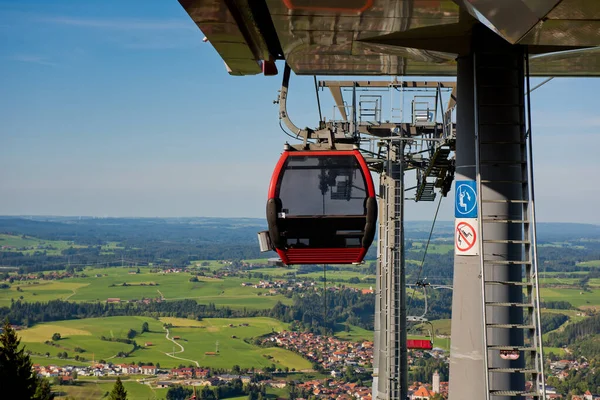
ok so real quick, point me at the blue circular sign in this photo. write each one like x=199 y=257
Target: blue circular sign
x=466 y=199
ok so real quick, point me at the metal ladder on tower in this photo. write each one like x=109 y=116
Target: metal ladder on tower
x=501 y=359
x=436 y=168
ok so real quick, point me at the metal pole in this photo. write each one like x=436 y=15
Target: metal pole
x=482 y=270
x=534 y=258
x=318 y=99
x=400 y=269
x=325 y=295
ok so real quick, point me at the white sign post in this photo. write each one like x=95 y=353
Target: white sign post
x=466 y=237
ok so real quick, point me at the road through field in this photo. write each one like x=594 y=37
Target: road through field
x=69 y=296
x=172 y=355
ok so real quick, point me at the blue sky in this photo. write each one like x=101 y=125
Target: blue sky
x=113 y=109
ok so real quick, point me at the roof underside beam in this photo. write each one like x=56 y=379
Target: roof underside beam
x=396 y=37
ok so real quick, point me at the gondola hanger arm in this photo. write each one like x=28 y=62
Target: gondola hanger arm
x=305 y=133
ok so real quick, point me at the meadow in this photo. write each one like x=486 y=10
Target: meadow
x=195 y=339
x=577 y=297
x=340 y=277
x=355 y=334
x=136 y=391
x=589 y=264
x=40 y=291
x=96 y=390
x=99 y=284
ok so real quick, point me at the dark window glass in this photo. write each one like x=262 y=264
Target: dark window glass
x=322 y=185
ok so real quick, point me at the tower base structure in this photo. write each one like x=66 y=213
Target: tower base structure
x=495 y=338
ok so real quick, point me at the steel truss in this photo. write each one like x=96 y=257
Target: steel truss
x=393 y=144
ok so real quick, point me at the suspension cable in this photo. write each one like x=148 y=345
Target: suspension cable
x=325 y=295
x=424 y=254
x=291 y=135
x=318 y=99
x=286 y=132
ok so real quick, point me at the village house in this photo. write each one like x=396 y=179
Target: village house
x=228 y=377
x=148 y=370
x=212 y=381
x=422 y=393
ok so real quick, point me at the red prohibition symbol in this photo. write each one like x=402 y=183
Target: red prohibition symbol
x=465 y=236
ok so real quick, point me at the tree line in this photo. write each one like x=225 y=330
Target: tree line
x=574 y=332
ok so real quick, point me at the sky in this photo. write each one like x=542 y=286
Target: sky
x=112 y=109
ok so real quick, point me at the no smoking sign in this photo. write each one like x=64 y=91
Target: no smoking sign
x=466 y=237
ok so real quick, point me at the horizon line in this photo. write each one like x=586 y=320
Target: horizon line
x=213 y=217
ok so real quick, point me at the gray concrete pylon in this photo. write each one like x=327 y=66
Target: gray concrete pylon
x=499 y=94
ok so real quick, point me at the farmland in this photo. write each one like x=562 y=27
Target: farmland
x=196 y=338
x=85 y=390
x=102 y=283
x=589 y=264
x=98 y=284
x=440 y=247
x=577 y=297
x=97 y=390
x=355 y=334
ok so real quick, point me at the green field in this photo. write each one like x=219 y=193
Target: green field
x=135 y=391
x=573 y=282
x=52 y=360
x=333 y=277
x=40 y=290
x=356 y=333
x=591 y=263
x=199 y=337
x=196 y=337
x=102 y=283
x=557 y=281
x=213 y=265
x=556 y=350
x=96 y=390
x=576 y=297
x=552 y=273
x=574 y=315
x=442 y=343
x=440 y=326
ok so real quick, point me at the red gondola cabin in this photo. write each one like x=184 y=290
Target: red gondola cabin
x=322 y=207
x=419 y=344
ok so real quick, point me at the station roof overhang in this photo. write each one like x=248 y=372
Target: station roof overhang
x=395 y=37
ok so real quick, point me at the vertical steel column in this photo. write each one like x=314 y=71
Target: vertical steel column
x=383 y=273
x=390 y=364
x=492 y=106
x=385 y=298
x=467 y=370
x=392 y=348
x=399 y=274
x=377 y=325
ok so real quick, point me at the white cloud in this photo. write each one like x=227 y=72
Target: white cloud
x=132 y=33
x=34 y=59
x=128 y=24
